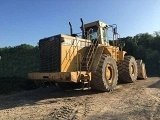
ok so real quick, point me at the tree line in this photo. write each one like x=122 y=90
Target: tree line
x=146 y=47
x=19 y=60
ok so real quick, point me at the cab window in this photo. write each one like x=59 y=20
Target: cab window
x=92 y=34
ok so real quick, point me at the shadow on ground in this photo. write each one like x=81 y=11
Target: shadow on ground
x=33 y=96
x=155 y=85
x=9 y=85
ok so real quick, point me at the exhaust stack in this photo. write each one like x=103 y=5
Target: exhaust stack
x=83 y=30
x=71 y=31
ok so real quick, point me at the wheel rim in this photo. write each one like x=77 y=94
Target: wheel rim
x=109 y=73
x=132 y=70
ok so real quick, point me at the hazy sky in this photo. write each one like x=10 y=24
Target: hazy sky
x=27 y=21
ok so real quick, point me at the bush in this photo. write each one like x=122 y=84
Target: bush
x=18 y=61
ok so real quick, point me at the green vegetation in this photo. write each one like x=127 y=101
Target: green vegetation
x=18 y=61
x=15 y=64
x=146 y=47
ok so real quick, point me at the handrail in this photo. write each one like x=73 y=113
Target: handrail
x=92 y=51
x=70 y=49
x=88 y=34
x=93 y=55
x=78 y=64
x=74 y=47
x=115 y=43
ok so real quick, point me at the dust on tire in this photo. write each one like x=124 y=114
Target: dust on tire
x=99 y=80
x=127 y=70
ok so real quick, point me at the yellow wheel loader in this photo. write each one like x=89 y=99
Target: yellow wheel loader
x=88 y=60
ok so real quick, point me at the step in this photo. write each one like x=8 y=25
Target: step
x=84 y=68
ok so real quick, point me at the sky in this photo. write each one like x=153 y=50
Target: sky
x=27 y=21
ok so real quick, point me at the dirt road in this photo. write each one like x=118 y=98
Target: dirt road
x=136 y=101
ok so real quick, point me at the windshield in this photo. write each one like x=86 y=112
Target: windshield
x=92 y=33
x=94 y=36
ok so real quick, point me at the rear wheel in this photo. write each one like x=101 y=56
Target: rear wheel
x=127 y=70
x=106 y=75
x=141 y=70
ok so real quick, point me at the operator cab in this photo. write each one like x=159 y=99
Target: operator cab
x=96 y=31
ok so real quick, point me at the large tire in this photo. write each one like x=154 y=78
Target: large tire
x=106 y=75
x=127 y=70
x=141 y=70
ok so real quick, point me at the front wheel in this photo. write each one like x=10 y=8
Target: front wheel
x=106 y=75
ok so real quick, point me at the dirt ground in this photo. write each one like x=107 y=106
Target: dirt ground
x=135 y=101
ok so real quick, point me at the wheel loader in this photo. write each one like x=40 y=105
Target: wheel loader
x=86 y=59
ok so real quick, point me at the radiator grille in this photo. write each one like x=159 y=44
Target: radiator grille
x=50 y=54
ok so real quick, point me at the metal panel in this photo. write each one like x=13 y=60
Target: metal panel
x=50 y=54
x=57 y=76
